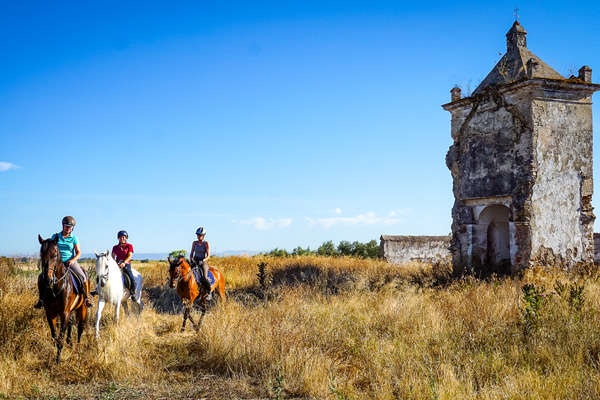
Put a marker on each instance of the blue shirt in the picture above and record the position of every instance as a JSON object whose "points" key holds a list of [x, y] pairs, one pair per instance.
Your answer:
{"points": [[66, 246]]}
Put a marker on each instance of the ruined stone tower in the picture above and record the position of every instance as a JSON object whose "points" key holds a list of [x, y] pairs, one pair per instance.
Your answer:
{"points": [[521, 165]]}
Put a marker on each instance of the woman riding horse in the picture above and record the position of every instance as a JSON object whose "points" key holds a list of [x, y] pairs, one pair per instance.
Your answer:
{"points": [[59, 296], [68, 246], [181, 273], [199, 255], [122, 254]]}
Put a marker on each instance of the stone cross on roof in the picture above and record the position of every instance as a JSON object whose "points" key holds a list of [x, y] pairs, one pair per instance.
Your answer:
{"points": [[518, 62]]}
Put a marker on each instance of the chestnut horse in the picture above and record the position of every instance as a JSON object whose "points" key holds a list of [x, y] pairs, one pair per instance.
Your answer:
{"points": [[189, 290], [58, 294]]}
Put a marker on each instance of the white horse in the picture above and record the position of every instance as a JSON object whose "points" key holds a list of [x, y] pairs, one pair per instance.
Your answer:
{"points": [[111, 288]]}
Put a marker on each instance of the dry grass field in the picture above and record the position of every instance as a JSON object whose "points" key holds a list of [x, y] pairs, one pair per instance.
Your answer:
{"points": [[323, 328]]}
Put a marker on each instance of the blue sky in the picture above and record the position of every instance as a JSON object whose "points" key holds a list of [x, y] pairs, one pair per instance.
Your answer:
{"points": [[271, 124]]}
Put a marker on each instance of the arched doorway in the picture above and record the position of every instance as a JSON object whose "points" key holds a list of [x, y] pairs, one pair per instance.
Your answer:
{"points": [[497, 253]]}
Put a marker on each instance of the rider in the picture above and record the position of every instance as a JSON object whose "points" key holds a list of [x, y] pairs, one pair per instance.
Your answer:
{"points": [[68, 246], [122, 253], [199, 254]]}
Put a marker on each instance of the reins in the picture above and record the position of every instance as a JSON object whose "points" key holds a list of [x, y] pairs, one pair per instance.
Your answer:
{"points": [[52, 286], [182, 278]]}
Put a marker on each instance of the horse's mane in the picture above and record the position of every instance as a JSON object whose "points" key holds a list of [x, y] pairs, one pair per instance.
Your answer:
{"points": [[46, 245], [114, 279]]}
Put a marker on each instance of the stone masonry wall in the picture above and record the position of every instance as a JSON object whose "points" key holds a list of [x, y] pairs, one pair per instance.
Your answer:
{"points": [[597, 248], [401, 249]]}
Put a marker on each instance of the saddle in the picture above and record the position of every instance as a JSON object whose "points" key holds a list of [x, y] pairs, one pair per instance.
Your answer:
{"points": [[126, 281], [198, 274], [77, 283]]}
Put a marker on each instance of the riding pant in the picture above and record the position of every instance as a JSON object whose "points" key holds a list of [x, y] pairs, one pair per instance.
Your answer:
{"points": [[127, 270], [202, 265], [76, 268]]}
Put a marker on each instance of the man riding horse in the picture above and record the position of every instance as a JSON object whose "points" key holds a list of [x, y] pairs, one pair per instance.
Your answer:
{"points": [[68, 246]]}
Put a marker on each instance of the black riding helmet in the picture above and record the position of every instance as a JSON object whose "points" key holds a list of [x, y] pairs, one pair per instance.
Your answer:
{"points": [[122, 233], [68, 221]]}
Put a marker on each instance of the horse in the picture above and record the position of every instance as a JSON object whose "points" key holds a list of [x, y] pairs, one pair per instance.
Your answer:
{"points": [[111, 288], [189, 290], [58, 294]]}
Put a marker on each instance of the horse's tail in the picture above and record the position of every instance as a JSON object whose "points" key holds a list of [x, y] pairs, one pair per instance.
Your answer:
{"points": [[220, 278]]}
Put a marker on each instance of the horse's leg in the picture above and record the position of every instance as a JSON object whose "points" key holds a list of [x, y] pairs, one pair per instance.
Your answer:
{"points": [[140, 304], [222, 287], [101, 304], [117, 310], [138, 294], [186, 312], [202, 308], [190, 317], [125, 307], [81, 315], [69, 325], [52, 324], [64, 320]]}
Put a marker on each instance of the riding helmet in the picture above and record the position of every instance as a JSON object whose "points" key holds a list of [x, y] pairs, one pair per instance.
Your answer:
{"points": [[200, 231], [122, 233], [68, 221]]}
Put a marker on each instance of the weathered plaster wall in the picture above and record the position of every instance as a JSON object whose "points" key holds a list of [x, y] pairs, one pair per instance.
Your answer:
{"points": [[561, 214], [400, 249], [491, 163]]}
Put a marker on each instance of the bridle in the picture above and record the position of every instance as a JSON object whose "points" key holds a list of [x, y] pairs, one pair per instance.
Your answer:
{"points": [[53, 281], [104, 276], [176, 274]]}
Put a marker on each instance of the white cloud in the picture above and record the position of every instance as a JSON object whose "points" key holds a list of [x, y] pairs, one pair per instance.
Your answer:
{"points": [[368, 218], [338, 211], [5, 166], [264, 224]]}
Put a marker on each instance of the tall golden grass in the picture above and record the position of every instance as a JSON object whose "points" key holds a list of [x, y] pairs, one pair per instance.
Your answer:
{"points": [[324, 328]]}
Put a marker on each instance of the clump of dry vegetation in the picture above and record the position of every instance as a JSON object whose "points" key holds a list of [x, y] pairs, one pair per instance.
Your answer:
{"points": [[320, 327]]}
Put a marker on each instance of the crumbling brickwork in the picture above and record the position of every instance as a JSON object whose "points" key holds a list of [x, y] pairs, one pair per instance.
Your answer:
{"points": [[521, 164]]}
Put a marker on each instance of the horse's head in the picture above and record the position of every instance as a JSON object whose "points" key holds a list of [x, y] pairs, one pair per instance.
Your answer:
{"points": [[50, 258], [177, 268], [102, 261]]}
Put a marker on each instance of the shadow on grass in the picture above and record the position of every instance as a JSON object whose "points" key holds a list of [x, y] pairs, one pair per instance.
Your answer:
{"points": [[272, 283]]}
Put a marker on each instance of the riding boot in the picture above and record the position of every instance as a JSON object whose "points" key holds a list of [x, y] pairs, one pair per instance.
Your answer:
{"points": [[39, 304], [127, 271], [132, 290], [205, 283]]}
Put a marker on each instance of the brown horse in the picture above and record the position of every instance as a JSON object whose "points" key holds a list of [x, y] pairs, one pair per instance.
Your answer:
{"points": [[189, 290], [57, 292]]}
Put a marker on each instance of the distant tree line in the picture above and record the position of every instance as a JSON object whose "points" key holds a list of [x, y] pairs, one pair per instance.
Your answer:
{"points": [[328, 248]]}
